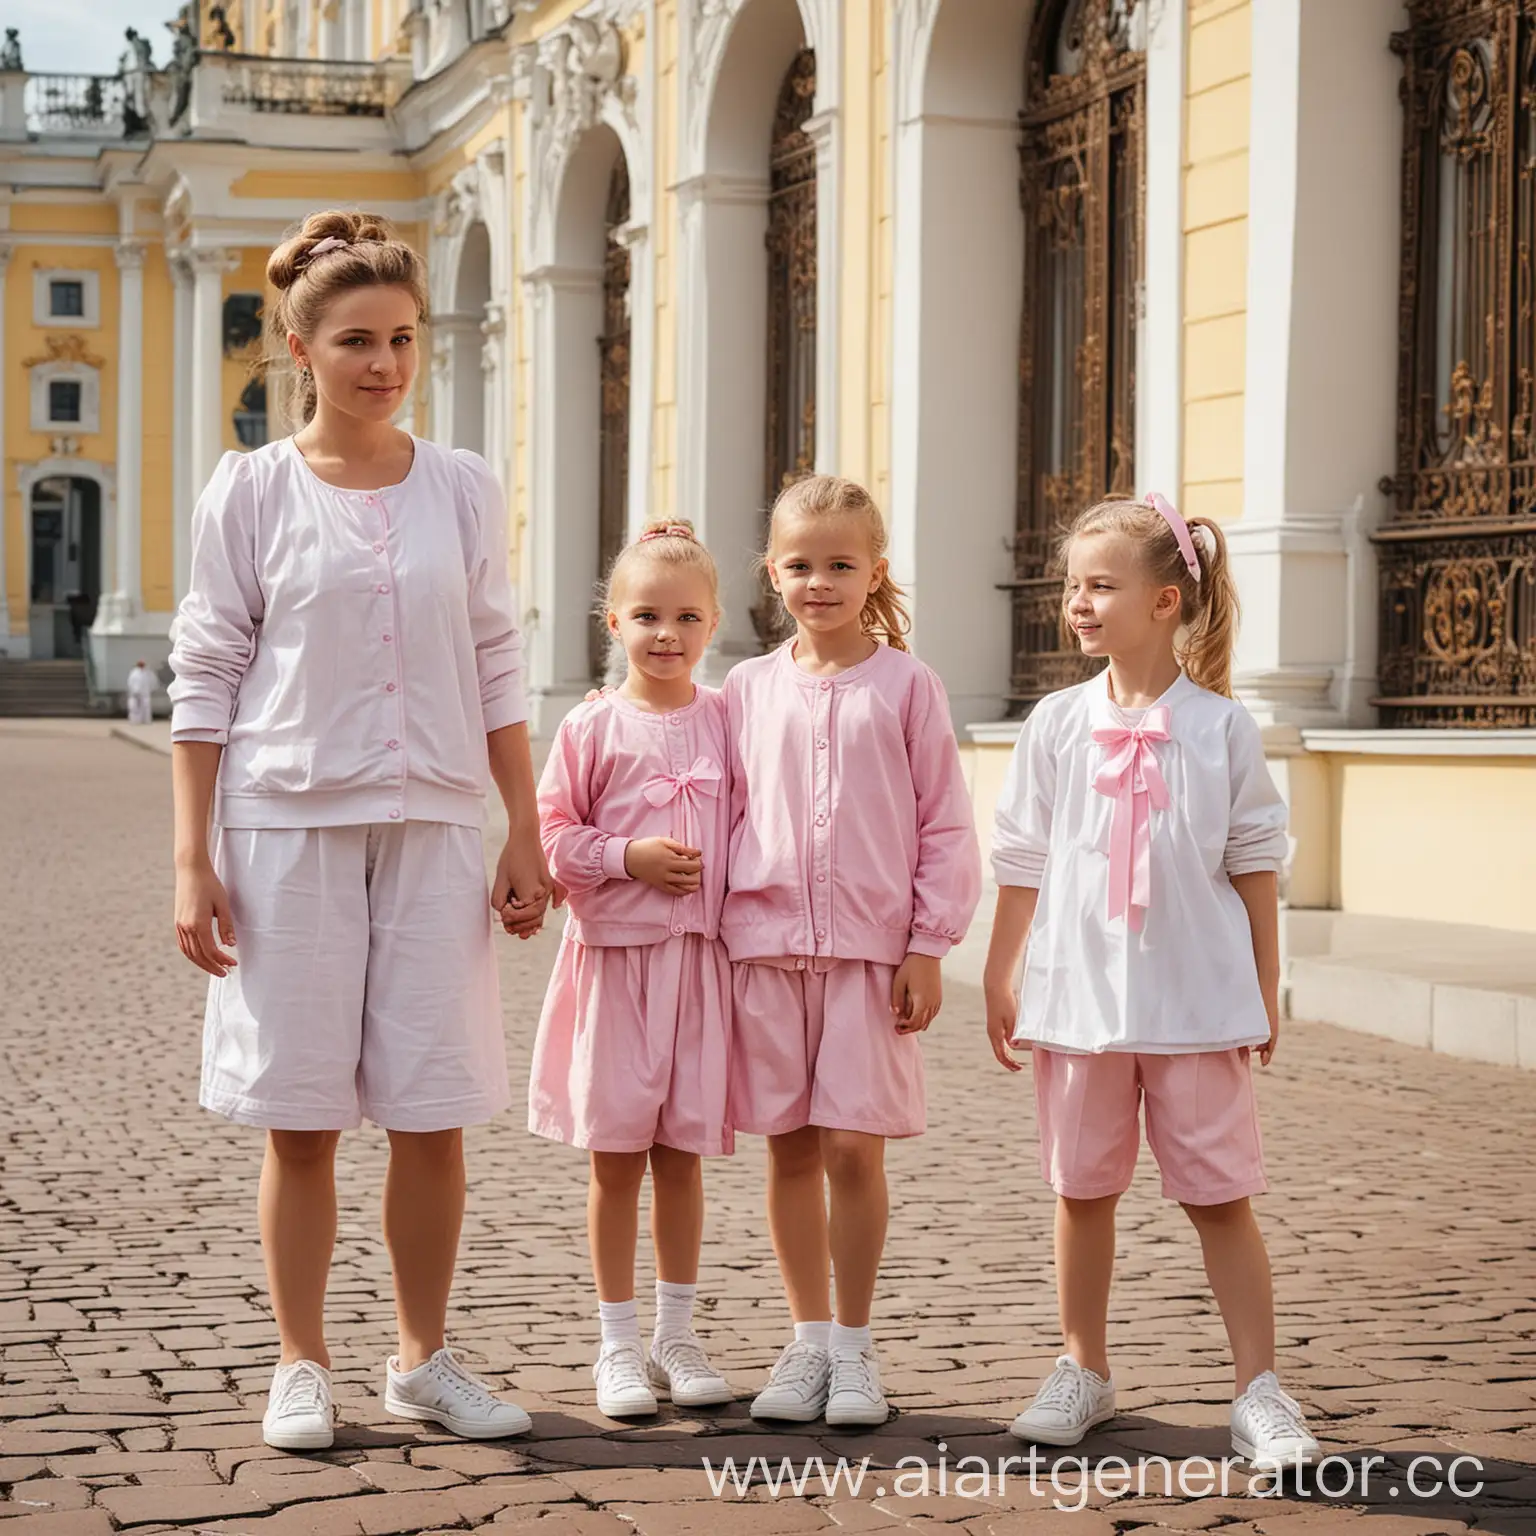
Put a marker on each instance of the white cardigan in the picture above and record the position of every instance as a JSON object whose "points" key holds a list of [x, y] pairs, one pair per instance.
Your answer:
{"points": [[350, 649]]}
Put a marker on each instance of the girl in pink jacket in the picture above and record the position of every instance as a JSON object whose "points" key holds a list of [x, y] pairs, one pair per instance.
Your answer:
{"points": [[630, 1060], [854, 867]]}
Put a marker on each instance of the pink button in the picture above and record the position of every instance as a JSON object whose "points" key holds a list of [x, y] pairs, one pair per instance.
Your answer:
{"points": [[394, 746], [821, 821], [799, 965], [394, 815], [821, 933], [378, 549], [677, 928], [825, 686], [383, 587], [388, 638], [389, 687], [821, 744], [821, 879]]}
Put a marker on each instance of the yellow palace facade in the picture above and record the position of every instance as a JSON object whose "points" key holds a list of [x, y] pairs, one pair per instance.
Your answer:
{"points": [[991, 257]]}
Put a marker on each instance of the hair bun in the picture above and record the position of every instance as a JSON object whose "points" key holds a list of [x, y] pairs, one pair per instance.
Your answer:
{"points": [[668, 528], [291, 259]]}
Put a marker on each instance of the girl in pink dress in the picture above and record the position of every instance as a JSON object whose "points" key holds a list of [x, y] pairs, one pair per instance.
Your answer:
{"points": [[631, 1057], [854, 867]]}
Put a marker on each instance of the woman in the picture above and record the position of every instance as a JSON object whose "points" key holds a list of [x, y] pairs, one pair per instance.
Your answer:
{"points": [[348, 683]]}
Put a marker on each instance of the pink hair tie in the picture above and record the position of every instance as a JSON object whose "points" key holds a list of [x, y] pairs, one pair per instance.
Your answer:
{"points": [[671, 531], [1165, 509], [325, 247]]}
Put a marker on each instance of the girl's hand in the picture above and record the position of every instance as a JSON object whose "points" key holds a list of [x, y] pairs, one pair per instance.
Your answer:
{"points": [[917, 993], [523, 886], [670, 866], [1002, 1019], [1272, 1008], [202, 902]]}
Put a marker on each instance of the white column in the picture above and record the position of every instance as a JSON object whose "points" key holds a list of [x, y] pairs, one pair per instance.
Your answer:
{"points": [[823, 131], [642, 374], [208, 269], [493, 366], [5, 610], [125, 601], [182, 493]]}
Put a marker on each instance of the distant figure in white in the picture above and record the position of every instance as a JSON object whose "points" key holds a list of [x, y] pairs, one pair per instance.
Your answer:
{"points": [[141, 695]]}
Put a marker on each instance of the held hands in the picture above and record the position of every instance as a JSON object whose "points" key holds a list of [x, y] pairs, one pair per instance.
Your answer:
{"points": [[523, 888], [670, 866], [202, 902], [1002, 1019], [917, 993]]}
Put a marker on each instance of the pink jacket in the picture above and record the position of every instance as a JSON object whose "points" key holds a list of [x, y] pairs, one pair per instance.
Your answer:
{"points": [[617, 772], [349, 649], [852, 835]]}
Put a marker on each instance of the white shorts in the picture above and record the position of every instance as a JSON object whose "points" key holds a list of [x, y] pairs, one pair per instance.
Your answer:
{"points": [[366, 985]]}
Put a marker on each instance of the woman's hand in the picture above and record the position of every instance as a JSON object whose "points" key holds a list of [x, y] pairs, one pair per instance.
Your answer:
{"points": [[1270, 986], [917, 993], [202, 902], [1002, 1019], [521, 892], [670, 866]]}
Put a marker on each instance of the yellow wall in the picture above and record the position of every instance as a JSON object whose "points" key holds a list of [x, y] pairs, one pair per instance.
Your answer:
{"points": [[1449, 841], [358, 187], [1216, 254], [156, 496]]}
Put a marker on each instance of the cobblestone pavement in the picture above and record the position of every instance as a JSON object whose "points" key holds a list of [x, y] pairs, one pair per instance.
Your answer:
{"points": [[136, 1346]]}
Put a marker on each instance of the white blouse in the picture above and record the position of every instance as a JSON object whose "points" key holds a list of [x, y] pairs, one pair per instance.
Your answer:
{"points": [[1138, 827], [349, 649]]}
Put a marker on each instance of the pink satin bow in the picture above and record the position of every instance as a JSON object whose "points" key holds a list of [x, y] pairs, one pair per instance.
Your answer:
{"points": [[704, 776], [1132, 778]]}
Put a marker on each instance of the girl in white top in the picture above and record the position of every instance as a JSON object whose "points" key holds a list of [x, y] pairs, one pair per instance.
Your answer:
{"points": [[1137, 850], [348, 684]]}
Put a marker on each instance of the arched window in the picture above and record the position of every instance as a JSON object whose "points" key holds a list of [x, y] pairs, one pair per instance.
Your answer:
{"points": [[1457, 556], [1082, 184], [613, 346], [791, 399]]}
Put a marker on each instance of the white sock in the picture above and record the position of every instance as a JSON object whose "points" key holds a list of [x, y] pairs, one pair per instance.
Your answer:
{"points": [[819, 1334], [620, 1320], [674, 1309], [852, 1339]]}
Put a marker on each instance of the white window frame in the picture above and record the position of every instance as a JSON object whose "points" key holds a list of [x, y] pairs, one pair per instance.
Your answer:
{"points": [[42, 298], [89, 380]]}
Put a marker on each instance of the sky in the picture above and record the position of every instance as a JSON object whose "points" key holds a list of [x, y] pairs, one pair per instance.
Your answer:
{"points": [[85, 37]]}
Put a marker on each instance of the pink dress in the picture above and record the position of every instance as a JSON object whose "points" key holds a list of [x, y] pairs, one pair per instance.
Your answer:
{"points": [[853, 845], [633, 1043]]}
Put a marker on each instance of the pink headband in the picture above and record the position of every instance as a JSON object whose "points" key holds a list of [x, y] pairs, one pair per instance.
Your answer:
{"points": [[671, 531], [1165, 509]]}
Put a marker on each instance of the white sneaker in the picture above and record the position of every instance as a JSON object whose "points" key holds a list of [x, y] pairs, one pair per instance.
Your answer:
{"points": [[623, 1386], [1268, 1430], [299, 1414], [679, 1367], [443, 1392], [1070, 1402], [854, 1395], [797, 1386]]}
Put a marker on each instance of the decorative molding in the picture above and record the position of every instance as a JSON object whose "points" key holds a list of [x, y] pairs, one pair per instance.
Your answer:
{"points": [[571, 80], [130, 255]]}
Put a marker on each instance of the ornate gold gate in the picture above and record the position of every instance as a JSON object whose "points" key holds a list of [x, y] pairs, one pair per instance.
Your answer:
{"points": [[1082, 184], [613, 352], [791, 399], [1457, 556]]}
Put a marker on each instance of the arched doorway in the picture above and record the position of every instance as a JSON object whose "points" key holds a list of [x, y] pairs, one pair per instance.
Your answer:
{"points": [[1081, 184], [65, 547], [471, 295], [613, 383]]}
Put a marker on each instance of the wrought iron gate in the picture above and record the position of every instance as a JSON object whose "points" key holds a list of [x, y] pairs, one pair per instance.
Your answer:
{"points": [[1082, 183], [1457, 556]]}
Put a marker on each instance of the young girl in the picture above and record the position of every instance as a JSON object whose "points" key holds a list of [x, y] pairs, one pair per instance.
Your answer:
{"points": [[630, 1061], [348, 685], [1137, 849], [854, 868]]}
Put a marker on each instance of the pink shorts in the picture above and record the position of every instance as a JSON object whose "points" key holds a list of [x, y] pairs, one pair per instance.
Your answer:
{"points": [[815, 1043], [1202, 1123], [633, 1046]]}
